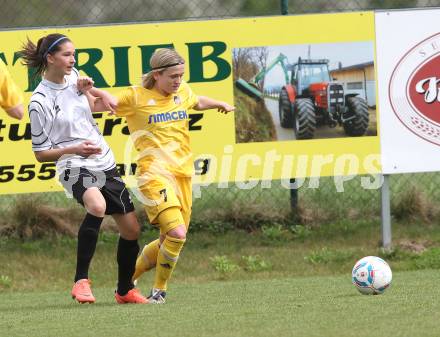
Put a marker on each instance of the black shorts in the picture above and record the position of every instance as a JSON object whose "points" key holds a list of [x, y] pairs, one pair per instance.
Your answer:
{"points": [[76, 181]]}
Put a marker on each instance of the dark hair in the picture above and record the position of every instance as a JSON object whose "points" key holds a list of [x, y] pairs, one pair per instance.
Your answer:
{"points": [[35, 56]]}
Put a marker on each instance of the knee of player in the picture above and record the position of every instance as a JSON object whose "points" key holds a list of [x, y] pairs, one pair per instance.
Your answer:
{"points": [[96, 208], [172, 224], [134, 231], [178, 232]]}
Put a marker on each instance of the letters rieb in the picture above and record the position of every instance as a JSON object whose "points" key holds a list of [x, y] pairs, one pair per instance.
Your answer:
{"points": [[121, 62]]}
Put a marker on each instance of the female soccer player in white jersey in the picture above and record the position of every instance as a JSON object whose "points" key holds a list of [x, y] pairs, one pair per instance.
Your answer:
{"points": [[63, 130], [157, 114]]}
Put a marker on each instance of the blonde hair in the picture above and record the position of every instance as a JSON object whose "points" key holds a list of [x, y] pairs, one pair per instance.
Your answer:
{"points": [[160, 60]]}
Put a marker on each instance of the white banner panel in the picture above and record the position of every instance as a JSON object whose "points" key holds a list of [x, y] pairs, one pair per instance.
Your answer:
{"points": [[408, 66]]}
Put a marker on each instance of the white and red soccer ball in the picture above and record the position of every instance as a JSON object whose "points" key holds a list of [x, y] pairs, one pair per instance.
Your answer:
{"points": [[371, 275]]}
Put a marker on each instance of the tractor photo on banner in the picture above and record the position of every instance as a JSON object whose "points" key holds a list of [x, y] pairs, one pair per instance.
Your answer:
{"points": [[309, 91]]}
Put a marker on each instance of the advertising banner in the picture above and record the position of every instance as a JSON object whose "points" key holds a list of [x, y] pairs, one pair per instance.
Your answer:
{"points": [[408, 58], [303, 88]]}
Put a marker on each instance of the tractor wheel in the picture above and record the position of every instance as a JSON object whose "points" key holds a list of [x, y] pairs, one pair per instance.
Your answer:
{"points": [[305, 118], [285, 110], [357, 116]]}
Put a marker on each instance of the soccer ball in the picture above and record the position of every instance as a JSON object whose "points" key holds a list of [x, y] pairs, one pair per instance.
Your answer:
{"points": [[371, 275]]}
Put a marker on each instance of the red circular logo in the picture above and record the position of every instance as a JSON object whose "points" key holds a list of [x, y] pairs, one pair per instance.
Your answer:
{"points": [[423, 89], [414, 89]]}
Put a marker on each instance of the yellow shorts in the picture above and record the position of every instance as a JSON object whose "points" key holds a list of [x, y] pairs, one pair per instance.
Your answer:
{"points": [[161, 193]]}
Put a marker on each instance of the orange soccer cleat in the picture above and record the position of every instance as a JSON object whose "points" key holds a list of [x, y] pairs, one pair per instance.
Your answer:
{"points": [[81, 291], [133, 296]]}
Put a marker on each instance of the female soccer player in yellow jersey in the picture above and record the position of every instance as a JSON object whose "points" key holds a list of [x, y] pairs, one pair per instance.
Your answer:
{"points": [[157, 117], [11, 98]]}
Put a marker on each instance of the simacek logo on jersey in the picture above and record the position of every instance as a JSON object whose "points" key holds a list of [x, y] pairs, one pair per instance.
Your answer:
{"points": [[167, 116], [414, 89]]}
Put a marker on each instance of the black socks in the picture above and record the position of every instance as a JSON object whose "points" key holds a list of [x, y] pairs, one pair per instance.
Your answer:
{"points": [[127, 253], [87, 238]]}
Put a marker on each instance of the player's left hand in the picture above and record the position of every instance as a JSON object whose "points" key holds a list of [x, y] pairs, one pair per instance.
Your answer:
{"points": [[84, 83], [225, 108]]}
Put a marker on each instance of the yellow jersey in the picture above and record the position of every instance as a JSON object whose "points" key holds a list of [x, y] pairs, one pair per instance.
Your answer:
{"points": [[10, 94], [159, 128]]}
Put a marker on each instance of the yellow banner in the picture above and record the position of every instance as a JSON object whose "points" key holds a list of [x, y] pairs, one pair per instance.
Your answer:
{"points": [[226, 147]]}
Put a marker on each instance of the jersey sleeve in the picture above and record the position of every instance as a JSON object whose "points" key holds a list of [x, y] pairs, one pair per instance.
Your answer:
{"points": [[127, 101], [193, 99], [10, 94], [40, 127]]}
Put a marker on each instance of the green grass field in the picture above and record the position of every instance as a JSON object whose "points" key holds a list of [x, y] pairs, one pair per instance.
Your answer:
{"points": [[303, 306], [273, 280], [268, 283]]}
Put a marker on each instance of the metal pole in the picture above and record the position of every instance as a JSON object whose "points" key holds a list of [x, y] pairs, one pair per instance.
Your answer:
{"points": [[386, 213], [293, 196], [294, 201], [284, 7]]}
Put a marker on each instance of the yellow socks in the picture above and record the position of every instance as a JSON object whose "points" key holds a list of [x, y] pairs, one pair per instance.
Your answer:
{"points": [[164, 257], [166, 261], [147, 259]]}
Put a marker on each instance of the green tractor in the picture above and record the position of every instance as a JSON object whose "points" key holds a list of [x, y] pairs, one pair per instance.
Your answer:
{"points": [[252, 88], [311, 99]]}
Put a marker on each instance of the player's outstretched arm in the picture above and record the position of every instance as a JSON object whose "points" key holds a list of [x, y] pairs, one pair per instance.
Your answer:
{"points": [[104, 101], [11, 97], [206, 103], [16, 112], [99, 100]]}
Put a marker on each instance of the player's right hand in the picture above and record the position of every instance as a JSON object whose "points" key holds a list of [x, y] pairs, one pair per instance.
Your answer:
{"points": [[84, 83], [87, 148]]}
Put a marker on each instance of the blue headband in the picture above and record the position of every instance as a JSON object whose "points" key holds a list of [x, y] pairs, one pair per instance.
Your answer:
{"points": [[53, 45]]}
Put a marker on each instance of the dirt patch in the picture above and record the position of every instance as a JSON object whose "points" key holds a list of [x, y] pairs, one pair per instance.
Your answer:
{"points": [[30, 219], [312, 216], [413, 204], [414, 246], [244, 216]]}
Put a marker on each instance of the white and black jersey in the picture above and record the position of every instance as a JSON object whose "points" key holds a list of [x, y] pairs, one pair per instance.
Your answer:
{"points": [[60, 116]]}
